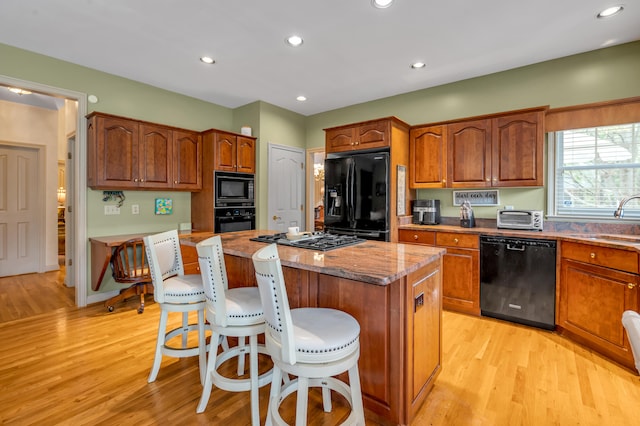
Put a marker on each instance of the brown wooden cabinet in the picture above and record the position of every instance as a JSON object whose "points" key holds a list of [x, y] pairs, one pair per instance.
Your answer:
{"points": [[129, 154], [460, 266], [389, 132], [234, 153], [428, 160], [597, 284], [400, 331], [491, 151], [365, 135], [190, 259]]}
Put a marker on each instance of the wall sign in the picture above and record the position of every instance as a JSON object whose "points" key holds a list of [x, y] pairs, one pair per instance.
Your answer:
{"points": [[489, 197], [401, 194]]}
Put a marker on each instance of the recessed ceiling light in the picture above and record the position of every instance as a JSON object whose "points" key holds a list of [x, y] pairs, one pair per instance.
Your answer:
{"points": [[207, 60], [610, 11], [418, 65], [294, 40], [301, 98], [381, 4], [19, 91]]}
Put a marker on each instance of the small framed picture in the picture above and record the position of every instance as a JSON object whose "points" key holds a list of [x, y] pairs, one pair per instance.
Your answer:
{"points": [[164, 206]]}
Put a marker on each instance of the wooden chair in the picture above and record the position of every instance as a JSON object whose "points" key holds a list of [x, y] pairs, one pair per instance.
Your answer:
{"points": [[312, 344], [130, 266]]}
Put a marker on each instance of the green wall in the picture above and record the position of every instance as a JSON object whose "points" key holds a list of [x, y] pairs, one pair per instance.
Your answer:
{"points": [[600, 75]]}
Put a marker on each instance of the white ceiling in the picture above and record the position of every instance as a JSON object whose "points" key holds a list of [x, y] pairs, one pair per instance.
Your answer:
{"points": [[352, 52]]}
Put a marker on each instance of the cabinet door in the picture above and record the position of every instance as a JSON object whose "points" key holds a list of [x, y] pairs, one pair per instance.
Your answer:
{"points": [[469, 154], [117, 153], [591, 302], [225, 152], [461, 286], [427, 308], [187, 160], [427, 147], [155, 157], [338, 140], [373, 135], [517, 146], [246, 155]]}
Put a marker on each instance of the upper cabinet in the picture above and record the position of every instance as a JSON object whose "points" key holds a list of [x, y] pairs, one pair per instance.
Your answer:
{"points": [[234, 153], [492, 151], [366, 135], [129, 154]]}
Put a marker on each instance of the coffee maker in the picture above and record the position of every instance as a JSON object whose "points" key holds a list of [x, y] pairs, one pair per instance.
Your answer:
{"points": [[426, 212]]}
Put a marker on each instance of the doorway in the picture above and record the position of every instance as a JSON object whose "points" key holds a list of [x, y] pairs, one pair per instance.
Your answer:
{"points": [[315, 189], [75, 190], [286, 188]]}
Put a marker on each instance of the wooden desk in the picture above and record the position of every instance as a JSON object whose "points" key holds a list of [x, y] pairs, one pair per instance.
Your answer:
{"points": [[101, 251]]}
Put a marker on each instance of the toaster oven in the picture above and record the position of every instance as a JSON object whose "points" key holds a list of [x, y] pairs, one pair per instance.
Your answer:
{"points": [[520, 219]]}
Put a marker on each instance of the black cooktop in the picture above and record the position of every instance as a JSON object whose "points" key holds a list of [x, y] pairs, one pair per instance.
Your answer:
{"points": [[315, 241]]}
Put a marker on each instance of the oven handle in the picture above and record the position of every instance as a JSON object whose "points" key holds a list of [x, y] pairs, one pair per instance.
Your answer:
{"points": [[234, 218]]}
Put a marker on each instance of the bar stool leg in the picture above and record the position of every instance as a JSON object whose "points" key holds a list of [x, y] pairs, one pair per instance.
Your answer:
{"points": [[157, 359], [302, 401]]}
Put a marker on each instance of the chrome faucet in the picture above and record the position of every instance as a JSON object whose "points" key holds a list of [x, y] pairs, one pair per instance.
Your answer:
{"points": [[620, 211]]}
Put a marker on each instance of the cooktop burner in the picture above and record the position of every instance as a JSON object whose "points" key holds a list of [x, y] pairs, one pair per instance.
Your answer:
{"points": [[314, 241]]}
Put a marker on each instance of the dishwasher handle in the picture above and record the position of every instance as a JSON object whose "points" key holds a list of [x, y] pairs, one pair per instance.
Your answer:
{"points": [[515, 248]]}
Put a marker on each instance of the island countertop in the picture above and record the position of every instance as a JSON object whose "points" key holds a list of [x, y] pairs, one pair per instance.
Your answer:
{"points": [[373, 262]]}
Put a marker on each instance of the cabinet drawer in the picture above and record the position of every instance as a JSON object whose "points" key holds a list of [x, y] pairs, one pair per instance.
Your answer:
{"points": [[416, 236], [621, 260], [190, 259], [452, 239]]}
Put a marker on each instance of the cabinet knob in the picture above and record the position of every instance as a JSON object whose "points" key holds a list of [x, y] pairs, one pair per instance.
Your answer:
{"points": [[135, 180], [488, 180], [631, 286], [593, 255], [415, 236], [455, 240], [175, 182]]}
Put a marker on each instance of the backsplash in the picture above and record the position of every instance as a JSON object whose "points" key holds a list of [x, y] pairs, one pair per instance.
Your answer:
{"points": [[552, 226]]}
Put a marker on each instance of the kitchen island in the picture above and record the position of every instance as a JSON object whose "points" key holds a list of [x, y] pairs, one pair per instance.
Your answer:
{"points": [[393, 290]]}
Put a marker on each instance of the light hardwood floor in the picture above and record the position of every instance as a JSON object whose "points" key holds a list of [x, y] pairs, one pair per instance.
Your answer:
{"points": [[62, 365]]}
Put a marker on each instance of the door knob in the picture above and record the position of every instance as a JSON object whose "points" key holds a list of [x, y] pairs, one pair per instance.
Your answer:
{"points": [[276, 217]]}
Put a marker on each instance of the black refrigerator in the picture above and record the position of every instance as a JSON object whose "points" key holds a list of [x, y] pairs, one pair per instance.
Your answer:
{"points": [[356, 197]]}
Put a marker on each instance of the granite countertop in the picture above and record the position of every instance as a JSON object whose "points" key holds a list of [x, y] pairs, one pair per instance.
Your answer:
{"points": [[606, 239], [373, 262]]}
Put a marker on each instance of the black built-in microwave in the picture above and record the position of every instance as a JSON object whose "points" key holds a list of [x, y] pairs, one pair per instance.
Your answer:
{"points": [[234, 189]]}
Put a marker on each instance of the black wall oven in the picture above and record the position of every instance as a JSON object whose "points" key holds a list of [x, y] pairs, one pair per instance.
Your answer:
{"points": [[229, 219], [234, 189]]}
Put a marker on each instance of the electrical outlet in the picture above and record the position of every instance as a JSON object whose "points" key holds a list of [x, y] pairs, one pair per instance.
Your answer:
{"points": [[135, 209], [111, 210]]}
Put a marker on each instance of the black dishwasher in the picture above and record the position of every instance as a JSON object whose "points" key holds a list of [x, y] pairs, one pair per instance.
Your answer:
{"points": [[518, 280]]}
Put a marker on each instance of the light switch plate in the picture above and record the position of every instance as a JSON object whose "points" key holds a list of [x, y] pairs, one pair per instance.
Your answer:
{"points": [[111, 210]]}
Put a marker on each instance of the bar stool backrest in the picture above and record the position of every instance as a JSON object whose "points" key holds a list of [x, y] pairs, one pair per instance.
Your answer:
{"points": [[165, 260], [214, 278], [273, 293]]}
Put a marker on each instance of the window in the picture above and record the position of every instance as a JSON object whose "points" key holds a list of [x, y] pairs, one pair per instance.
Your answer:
{"points": [[593, 169]]}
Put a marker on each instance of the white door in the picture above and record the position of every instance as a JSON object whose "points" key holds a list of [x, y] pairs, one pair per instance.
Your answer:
{"points": [[19, 214], [286, 188]]}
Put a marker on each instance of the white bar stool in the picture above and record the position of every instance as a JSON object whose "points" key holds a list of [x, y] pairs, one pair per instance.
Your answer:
{"points": [[235, 312], [175, 292], [312, 344]]}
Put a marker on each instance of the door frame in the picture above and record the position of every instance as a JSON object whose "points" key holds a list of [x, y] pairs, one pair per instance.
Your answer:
{"points": [[310, 201], [78, 199]]}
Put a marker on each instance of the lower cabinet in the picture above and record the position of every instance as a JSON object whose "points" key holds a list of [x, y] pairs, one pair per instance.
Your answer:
{"points": [[400, 329], [592, 297], [460, 266], [190, 259]]}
